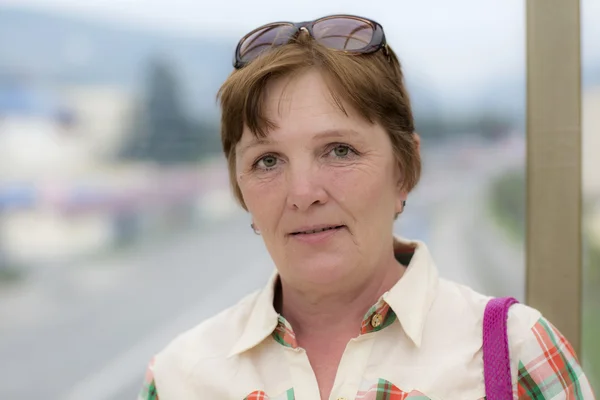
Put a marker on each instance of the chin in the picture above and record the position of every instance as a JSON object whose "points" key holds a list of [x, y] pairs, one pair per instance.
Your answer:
{"points": [[323, 270]]}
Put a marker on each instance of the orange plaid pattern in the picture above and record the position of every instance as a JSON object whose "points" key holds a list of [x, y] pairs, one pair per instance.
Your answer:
{"points": [[284, 334], [382, 310], [149, 391], [385, 390], [552, 369], [258, 395]]}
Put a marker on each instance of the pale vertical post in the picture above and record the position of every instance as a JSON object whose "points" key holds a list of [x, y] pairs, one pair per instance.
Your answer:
{"points": [[554, 183]]}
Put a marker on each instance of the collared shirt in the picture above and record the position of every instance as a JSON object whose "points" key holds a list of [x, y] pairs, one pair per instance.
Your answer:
{"points": [[421, 340]]}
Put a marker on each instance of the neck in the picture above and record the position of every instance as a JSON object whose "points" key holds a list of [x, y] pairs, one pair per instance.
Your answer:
{"points": [[335, 312]]}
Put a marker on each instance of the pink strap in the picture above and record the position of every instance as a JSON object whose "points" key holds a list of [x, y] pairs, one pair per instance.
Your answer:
{"points": [[496, 358]]}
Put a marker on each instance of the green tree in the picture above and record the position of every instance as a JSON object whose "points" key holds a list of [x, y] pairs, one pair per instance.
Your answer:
{"points": [[161, 130]]}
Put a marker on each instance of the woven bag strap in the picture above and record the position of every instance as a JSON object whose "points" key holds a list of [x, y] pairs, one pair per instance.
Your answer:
{"points": [[496, 358]]}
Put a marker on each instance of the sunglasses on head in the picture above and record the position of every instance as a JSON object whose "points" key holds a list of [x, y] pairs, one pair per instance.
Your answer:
{"points": [[348, 33]]}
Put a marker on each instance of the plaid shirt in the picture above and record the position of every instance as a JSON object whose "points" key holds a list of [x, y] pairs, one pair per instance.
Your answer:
{"points": [[421, 340]]}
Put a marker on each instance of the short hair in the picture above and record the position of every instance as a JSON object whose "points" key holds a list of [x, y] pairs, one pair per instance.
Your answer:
{"points": [[372, 84]]}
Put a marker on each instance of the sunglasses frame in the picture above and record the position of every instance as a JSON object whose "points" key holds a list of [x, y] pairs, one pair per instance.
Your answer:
{"points": [[378, 41]]}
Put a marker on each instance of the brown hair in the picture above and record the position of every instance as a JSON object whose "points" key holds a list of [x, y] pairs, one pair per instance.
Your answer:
{"points": [[372, 84]]}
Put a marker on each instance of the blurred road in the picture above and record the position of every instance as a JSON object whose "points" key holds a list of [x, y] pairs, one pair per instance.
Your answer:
{"points": [[87, 332]]}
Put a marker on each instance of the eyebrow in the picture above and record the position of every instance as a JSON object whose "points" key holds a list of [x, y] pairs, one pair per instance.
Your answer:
{"points": [[336, 133], [326, 134], [253, 143]]}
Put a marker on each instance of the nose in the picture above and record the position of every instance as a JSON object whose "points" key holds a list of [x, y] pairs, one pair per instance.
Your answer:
{"points": [[305, 187]]}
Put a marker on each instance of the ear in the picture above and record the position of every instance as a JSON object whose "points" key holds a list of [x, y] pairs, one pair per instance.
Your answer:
{"points": [[417, 140], [401, 196], [254, 228]]}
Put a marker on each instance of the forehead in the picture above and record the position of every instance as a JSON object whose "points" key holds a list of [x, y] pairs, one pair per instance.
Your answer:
{"points": [[306, 102], [301, 89]]}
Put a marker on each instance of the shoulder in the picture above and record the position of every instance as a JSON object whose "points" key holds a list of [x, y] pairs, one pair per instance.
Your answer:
{"points": [[453, 296], [467, 306], [544, 364], [173, 371], [211, 339], [522, 320]]}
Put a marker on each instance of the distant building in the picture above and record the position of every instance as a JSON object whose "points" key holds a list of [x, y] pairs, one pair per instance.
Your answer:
{"points": [[104, 114], [54, 144], [39, 135]]}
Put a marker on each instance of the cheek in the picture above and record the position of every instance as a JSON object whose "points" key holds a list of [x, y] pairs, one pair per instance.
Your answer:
{"points": [[262, 196], [358, 190]]}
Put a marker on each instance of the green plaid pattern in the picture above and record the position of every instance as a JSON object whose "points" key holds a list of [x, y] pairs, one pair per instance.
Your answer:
{"points": [[148, 391], [551, 369], [385, 390], [384, 310], [260, 395], [548, 367], [284, 334]]}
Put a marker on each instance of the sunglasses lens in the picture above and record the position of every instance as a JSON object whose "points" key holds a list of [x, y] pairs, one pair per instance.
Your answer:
{"points": [[343, 33], [265, 39]]}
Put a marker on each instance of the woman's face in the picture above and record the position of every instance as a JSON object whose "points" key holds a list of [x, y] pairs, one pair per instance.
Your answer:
{"points": [[320, 169]]}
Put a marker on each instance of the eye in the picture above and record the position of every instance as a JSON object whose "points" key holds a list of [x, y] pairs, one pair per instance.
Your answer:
{"points": [[342, 151], [266, 162]]}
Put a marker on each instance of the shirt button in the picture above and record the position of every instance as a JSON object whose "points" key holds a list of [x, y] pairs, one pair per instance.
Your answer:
{"points": [[376, 320]]}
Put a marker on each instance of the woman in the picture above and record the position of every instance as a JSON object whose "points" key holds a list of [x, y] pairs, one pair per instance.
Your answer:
{"points": [[319, 136]]}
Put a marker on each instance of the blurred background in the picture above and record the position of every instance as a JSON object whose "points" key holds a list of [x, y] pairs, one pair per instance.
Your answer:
{"points": [[117, 227]]}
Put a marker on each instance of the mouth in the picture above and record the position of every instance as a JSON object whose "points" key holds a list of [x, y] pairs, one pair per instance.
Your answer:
{"points": [[318, 230]]}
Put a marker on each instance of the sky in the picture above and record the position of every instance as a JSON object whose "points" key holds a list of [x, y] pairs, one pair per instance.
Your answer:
{"points": [[452, 43]]}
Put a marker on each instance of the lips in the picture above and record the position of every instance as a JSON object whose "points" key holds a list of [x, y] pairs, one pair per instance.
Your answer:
{"points": [[308, 231]]}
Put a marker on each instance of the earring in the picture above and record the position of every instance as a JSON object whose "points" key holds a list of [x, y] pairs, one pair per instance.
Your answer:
{"points": [[401, 211], [256, 231]]}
